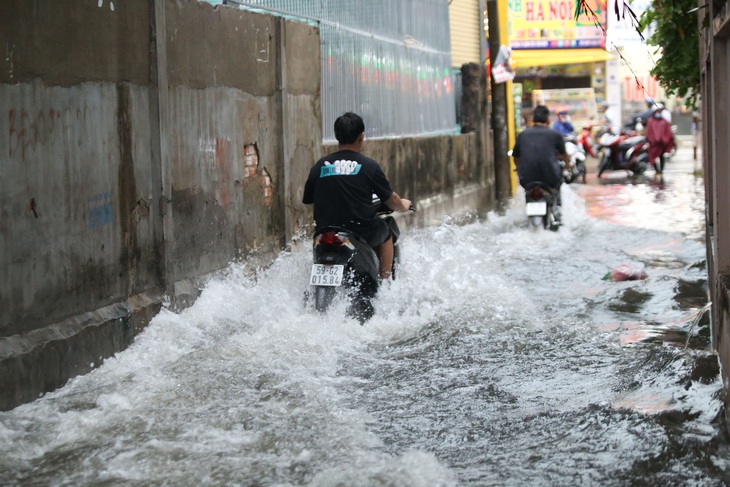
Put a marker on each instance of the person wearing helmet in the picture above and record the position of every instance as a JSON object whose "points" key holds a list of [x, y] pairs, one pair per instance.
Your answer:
{"points": [[562, 124], [660, 137]]}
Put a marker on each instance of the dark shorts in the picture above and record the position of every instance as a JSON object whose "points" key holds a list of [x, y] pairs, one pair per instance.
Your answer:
{"points": [[375, 232]]}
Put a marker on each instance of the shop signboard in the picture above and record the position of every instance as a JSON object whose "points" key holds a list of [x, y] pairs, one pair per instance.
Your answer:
{"points": [[551, 24]]}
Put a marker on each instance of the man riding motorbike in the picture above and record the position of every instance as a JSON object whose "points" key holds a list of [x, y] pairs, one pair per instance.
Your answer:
{"points": [[537, 152], [563, 124], [341, 187]]}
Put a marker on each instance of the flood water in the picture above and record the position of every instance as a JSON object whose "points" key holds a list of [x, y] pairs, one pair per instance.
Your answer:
{"points": [[500, 356]]}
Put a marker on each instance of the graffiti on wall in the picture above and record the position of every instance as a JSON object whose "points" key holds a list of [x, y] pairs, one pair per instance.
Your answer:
{"points": [[99, 209], [28, 130]]}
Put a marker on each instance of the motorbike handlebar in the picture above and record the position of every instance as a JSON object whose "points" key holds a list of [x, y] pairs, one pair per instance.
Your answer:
{"points": [[383, 209]]}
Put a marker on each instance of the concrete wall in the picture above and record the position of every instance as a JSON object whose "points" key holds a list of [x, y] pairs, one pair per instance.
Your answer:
{"points": [[78, 244], [147, 145], [232, 102], [139, 158], [75, 135], [714, 71]]}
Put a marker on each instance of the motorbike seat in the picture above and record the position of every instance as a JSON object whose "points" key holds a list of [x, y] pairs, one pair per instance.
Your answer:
{"points": [[627, 144]]}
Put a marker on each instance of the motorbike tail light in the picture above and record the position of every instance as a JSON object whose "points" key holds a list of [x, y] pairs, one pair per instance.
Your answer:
{"points": [[536, 193], [329, 238]]}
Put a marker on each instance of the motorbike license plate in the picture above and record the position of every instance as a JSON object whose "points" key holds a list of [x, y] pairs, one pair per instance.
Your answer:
{"points": [[326, 275], [536, 208]]}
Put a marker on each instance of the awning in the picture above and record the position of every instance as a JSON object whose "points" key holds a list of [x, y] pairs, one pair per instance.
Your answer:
{"points": [[525, 58]]}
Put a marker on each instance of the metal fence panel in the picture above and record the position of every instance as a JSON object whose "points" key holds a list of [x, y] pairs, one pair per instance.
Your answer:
{"points": [[388, 60]]}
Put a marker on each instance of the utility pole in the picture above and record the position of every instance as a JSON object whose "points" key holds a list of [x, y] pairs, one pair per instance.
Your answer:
{"points": [[501, 101]]}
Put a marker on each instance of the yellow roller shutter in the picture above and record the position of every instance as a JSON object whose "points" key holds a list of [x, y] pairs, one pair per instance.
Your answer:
{"points": [[465, 31]]}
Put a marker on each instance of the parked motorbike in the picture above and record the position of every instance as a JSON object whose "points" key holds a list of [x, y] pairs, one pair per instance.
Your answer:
{"points": [[345, 263], [541, 206], [577, 168], [623, 151]]}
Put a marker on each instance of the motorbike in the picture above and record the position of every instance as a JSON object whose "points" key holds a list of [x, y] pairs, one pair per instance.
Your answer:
{"points": [[640, 120], [344, 263], [541, 206], [624, 150], [577, 169]]}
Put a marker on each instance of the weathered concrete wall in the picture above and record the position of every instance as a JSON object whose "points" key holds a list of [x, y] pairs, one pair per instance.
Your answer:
{"points": [[75, 232], [78, 250], [714, 71], [232, 100], [137, 164]]}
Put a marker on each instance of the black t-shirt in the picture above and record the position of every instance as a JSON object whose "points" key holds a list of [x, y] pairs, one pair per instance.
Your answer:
{"points": [[538, 148], [341, 186]]}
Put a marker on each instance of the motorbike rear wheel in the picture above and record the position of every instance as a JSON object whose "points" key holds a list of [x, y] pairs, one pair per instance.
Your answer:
{"points": [[323, 296], [536, 222]]}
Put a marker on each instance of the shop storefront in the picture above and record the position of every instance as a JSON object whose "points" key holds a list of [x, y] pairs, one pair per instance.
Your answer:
{"points": [[557, 59]]}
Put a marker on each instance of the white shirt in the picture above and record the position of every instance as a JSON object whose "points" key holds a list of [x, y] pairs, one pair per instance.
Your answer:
{"points": [[611, 118]]}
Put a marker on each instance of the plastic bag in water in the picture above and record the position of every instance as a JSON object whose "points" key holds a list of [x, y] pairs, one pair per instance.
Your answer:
{"points": [[625, 272]]}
